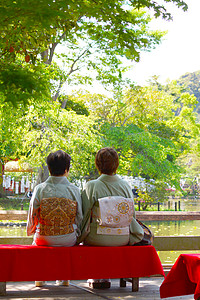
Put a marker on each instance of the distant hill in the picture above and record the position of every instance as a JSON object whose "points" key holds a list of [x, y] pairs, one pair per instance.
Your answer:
{"points": [[192, 83]]}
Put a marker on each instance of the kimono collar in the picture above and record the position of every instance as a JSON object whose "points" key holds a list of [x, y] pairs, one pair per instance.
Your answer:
{"points": [[57, 180], [109, 178]]}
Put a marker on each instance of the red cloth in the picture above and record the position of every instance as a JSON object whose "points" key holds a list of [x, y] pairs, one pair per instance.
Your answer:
{"points": [[184, 277], [29, 263]]}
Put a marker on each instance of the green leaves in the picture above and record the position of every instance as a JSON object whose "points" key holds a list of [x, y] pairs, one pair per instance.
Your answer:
{"points": [[141, 124], [46, 128], [117, 28], [149, 126], [20, 84], [141, 153]]}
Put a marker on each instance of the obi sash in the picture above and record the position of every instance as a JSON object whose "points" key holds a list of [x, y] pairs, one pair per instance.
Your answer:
{"points": [[114, 215], [57, 216]]}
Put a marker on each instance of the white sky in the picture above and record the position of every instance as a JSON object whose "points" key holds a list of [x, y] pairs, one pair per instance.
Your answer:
{"points": [[179, 53]]}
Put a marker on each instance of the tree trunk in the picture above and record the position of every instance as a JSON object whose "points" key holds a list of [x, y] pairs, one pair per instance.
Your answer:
{"points": [[43, 174], [2, 193]]}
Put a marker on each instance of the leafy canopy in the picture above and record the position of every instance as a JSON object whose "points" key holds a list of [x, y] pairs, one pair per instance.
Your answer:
{"points": [[29, 29], [38, 23], [149, 126]]}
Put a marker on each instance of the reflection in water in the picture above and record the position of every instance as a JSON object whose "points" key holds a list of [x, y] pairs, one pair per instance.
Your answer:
{"points": [[159, 228], [176, 228], [185, 204]]}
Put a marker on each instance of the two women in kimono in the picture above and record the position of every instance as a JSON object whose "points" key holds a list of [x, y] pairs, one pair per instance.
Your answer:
{"points": [[108, 186]]}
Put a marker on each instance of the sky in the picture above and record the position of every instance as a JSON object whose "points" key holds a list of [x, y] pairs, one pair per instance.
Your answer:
{"points": [[178, 53]]}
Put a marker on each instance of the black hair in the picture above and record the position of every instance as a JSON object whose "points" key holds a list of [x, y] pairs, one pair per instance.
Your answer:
{"points": [[58, 162]]}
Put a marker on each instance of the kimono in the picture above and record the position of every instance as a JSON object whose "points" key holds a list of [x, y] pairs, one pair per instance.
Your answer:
{"points": [[104, 186], [55, 213]]}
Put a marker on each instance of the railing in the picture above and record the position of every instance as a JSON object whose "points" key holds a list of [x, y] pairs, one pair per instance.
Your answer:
{"points": [[176, 243], [171, 243], [176, 205], [16, 240], [161, 243]]}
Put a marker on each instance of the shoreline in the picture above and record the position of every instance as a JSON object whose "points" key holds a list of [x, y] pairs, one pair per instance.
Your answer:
{"points": [[167, 215]]}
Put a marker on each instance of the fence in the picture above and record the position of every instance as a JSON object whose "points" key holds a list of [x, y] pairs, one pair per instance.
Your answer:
{"points": [[177, 205]]}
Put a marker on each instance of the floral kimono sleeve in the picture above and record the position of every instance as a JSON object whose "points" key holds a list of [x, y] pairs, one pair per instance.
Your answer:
{"points": [[33, 214]]}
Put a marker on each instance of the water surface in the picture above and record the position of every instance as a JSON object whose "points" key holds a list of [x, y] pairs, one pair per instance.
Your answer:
{"points": [[159, 228]]}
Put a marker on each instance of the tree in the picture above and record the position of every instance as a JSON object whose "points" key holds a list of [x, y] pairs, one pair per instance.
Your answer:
{"points": [[34, 30], [28, 30], [69, 131], [149, 127], [21, 24], [191, 82], [22, 83]]}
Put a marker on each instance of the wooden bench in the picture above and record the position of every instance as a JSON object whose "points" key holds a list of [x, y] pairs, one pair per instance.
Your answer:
{"points": [[30, 263]]}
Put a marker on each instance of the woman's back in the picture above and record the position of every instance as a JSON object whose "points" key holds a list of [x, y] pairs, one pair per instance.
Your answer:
{"points": [[105, 185]]}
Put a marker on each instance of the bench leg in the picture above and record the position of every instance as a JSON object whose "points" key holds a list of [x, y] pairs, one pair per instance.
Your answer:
{"points": [[2, 288], [134, 281], [122, 282], [135, 284]]}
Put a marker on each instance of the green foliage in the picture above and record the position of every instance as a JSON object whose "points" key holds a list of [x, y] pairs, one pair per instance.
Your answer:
{"points": [[73, 104], [49, 128], [10, 135], [20, 83], [159, 192], [14, 204], [145, 199], [191, 82], [150, 127], [142, 153], [34, 26], [118, 29], [154, 192]]}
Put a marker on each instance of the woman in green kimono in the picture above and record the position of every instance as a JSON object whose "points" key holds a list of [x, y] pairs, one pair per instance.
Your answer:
{"points": [[108, 184]]}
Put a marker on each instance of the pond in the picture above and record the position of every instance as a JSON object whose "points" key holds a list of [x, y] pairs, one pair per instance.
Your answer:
{"points": [[159, 228], [190, 204], [173, 228]]}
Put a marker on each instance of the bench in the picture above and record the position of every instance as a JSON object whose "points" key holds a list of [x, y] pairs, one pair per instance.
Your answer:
{"points": [[184, 277], [30, 263]]}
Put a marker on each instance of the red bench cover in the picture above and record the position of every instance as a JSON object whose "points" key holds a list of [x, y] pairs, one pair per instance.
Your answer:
{"points": [[184, 277], [29, 263]]}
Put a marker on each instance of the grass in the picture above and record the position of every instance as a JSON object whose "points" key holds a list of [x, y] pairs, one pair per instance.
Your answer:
{"points": [[14, 203]]}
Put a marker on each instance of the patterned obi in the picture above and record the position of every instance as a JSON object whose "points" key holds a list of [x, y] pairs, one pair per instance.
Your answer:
{"points": [[113, 215], [57, 216]]}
